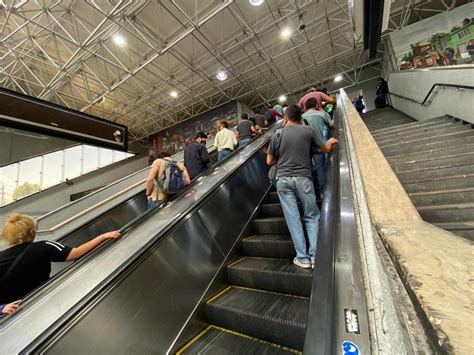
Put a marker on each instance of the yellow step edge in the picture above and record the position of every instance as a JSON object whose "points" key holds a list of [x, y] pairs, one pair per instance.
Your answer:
{"points": [[217, 295], [224, 330]]}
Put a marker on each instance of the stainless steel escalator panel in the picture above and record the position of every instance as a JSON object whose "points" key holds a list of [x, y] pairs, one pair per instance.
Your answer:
{"points": [[45, 312]]}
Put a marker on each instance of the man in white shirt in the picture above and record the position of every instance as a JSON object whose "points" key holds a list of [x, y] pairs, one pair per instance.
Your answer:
{"points": [[225, 141]]}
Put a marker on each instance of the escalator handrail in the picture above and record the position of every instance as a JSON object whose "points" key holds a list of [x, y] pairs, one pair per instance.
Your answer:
{"points": [[319, 338]]}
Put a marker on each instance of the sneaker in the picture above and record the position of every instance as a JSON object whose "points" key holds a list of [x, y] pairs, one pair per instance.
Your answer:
{"points": [[304, 263], [312, 263]]}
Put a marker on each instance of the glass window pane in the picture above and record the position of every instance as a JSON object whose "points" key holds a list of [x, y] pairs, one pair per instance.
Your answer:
{"points": [[53, 167], [29, 181], [105, 157], [73, 162], [8, 176], [91, 158]]}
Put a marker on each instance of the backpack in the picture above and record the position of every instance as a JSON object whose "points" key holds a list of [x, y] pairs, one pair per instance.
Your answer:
{"points": [[172, 179]]}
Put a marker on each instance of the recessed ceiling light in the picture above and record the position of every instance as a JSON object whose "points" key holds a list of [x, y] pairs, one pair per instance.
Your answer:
{"points": [[282, 98], [118, 39], [221, 74], [174, 93], [286, 32], [256, 2], [338, 78]]}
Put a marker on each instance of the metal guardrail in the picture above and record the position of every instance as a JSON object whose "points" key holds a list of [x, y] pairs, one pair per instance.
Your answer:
{"points": [[425, 101]]}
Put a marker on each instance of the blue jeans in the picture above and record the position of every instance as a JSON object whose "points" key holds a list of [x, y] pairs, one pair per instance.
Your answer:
{"points": [[290, 191], [224, 153], [319, 169], [244, 142]]}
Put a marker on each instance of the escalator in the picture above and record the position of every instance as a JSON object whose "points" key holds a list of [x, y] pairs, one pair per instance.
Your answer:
{"points": [[265, 307], [434, 161]]}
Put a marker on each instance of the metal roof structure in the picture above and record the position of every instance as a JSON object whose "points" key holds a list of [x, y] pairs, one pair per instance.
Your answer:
{"points": [[121, 59]]}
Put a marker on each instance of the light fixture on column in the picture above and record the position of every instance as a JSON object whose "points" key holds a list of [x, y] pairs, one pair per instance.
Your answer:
{"points": [[282, 98], [221, 74], [174, 94], [338, 78]]}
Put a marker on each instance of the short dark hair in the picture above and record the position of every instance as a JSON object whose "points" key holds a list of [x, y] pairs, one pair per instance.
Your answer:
{"points": [[284, 105], [200, 135], [244, 116], [225, 124], [293, 112], [324, 90], [311, 103], [162, 155]]}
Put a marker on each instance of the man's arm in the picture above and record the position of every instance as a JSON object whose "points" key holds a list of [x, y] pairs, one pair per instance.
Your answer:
{"points": [[252, 128], [187, 179], [87, 247], [234, 140], [326, 148], [155, 168], [271, 160], [329, 99], [204, 156]]}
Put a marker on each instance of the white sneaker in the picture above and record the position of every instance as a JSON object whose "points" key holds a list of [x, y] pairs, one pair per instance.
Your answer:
{"points": [[305, 264]]}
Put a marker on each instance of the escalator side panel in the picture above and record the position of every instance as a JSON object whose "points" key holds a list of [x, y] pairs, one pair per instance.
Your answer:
{"points": [[148, 308]]}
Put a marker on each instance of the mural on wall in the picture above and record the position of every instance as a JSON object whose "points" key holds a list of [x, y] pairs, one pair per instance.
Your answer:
{"points": [[174, 139], [444, 39]]}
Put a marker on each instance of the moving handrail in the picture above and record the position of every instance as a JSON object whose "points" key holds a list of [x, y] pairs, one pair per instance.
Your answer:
{"points": [[82, 285]]}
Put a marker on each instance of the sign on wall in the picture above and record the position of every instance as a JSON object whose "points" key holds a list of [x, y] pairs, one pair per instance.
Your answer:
{"points": [[441, 40], [174, 139]]}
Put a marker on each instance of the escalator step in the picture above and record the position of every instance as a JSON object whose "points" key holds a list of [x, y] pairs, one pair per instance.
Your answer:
{"points": [[272, 225], [272, 197], [216, 341], [277, 275], [270, 316], [275, 210], [269, 245]]}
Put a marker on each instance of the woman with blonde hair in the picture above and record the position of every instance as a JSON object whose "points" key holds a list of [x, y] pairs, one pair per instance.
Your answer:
{"points": [[26, 264]]}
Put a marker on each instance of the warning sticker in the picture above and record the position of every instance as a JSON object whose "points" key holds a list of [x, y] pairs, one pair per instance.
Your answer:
{"points": [[352, 321]]}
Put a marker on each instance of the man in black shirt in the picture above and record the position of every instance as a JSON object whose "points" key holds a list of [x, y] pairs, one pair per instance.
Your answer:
{"points": [[245, 130], [27, 264], [196, 156]]}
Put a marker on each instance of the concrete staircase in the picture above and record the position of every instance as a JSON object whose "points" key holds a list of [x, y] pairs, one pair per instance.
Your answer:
{"points": [[434, 160]]}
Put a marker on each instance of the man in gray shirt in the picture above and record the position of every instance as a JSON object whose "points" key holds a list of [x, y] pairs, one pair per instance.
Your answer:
{"points": [[292, 150], [245, 130]]}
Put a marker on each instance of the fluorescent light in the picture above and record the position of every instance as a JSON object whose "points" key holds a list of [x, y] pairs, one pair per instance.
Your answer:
{"points": [[118, 39], [282, 98], [256, 2], [174, 93], [221, 74], [338, 78], [286, 32]]}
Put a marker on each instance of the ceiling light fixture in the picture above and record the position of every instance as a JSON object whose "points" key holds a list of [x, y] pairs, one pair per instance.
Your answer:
{"points": [[282, 98], [256, 2], [118, 39], [338, 78], [174, 93], [221, 74], [286, 32]]}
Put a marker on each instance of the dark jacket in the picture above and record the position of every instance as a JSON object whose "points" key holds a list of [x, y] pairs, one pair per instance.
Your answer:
{"points": [[196, 159]]}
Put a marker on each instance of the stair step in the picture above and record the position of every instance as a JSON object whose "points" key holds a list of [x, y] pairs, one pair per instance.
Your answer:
{"points": [[440, 184], [270, 316], [388, 123], [423, 134], [435, 172], [442, 136], [463, 229], [404, 149], [216, 340], [276, 275], [460, 158], [270, 225], [411, 127], [384, 121], [453, 196], [448, 213], [269, 245]]}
